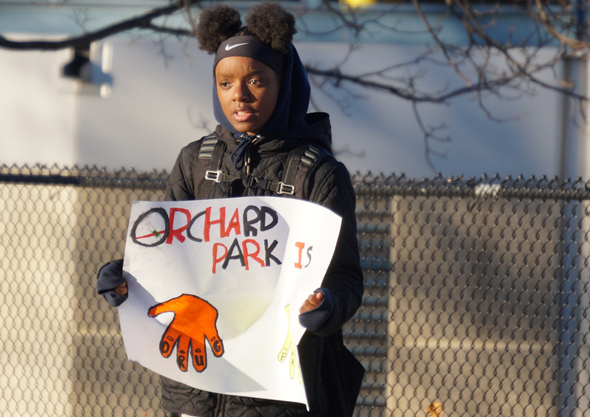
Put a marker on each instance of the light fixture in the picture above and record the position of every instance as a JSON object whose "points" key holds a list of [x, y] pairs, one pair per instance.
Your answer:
{"points": [[79, 67]]}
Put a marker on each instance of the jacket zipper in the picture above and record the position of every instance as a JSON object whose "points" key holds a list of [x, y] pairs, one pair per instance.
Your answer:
{"points": [[220, 405], [248, 171]]}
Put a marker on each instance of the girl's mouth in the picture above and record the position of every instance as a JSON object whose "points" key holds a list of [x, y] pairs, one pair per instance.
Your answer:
{"points": [[243, 115]]}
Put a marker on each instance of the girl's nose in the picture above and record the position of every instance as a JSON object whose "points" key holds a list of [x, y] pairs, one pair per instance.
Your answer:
{"points": [[241, 92]]}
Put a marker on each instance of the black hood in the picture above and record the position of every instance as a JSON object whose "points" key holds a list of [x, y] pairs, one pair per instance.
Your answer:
{"points": [[316, 129]]}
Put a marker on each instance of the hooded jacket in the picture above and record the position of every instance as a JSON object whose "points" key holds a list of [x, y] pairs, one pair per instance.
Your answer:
{"points": [[332, 376]]}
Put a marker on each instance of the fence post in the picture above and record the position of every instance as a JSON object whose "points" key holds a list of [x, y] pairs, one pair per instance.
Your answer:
{"points": [[393, 387], [573, 278], [574, 303]]}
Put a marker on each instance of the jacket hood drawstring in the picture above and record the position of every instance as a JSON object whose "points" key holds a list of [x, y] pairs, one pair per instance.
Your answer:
{"points": [[240, 154]]}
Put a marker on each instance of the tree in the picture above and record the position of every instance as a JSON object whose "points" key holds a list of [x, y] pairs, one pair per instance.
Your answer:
{"points": [[473, 60]]}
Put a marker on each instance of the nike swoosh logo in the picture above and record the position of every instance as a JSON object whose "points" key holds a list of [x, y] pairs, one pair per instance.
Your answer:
{"points": [[229, 47]]}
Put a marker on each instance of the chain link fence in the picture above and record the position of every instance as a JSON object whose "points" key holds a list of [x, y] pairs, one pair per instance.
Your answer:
{"points": [[476, 299]]}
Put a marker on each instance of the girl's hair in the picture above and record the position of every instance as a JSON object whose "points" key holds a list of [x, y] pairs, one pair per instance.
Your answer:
{"points": [[267, 21]]}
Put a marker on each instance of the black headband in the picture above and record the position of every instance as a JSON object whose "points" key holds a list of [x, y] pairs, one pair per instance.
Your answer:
{"points": [[251, 47]]}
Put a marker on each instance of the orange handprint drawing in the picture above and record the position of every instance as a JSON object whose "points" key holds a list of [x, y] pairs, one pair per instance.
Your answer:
{"points": [[194, 321]]}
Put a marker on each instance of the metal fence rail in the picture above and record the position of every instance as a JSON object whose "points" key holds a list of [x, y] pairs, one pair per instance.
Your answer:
{"points": [[476, 299]]}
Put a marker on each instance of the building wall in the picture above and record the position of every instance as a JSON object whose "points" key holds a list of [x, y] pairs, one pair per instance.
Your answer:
{"points": [[158, 100]]}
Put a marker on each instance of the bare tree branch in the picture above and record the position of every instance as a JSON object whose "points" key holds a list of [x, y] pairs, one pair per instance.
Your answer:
{"points": [[143, 21], [543, 18], [442, 46], [360, 80], [483, 67], [429, 134]]}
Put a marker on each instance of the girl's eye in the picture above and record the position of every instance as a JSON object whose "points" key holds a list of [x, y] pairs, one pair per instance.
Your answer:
{"points": [[255, 81]]}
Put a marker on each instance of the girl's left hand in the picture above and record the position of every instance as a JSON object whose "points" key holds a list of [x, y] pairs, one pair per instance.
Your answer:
{"points": [[312, 302]]}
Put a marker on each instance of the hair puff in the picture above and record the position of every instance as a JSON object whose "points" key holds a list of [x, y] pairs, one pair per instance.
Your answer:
{"points": [[272, 24], [216, 24]]}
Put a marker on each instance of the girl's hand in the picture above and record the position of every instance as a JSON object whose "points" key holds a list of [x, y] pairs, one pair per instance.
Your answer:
{"points": [[121, 289], [312, 302]]}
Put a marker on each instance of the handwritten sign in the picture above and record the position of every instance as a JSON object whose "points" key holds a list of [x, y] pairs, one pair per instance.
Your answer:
{"points": [[215, 288]]}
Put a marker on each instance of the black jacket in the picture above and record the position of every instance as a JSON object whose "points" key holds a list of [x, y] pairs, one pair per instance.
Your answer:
{"points": [[331, 374]]}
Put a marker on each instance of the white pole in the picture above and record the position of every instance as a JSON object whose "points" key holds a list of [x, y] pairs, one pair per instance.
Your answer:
{"points": [[573, 327]]}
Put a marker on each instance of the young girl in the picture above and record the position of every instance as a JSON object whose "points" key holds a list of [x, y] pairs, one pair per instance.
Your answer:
{"points": [[265, 138]]}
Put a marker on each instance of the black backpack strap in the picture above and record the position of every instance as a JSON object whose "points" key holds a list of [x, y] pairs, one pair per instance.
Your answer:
{"points": [[298, 174], [208, 165], [299, 163], [277, 187], [294, 162]]}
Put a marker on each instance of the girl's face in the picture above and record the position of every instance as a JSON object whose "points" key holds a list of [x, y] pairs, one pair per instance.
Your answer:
{"points": [[247, 91]]}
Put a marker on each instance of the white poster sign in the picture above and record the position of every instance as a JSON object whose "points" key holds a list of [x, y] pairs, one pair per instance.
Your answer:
{"points": [[215, 288]]}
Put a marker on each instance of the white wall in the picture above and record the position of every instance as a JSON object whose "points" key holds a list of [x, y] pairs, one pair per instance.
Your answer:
{"points": [[38, 115], [158, 104]]}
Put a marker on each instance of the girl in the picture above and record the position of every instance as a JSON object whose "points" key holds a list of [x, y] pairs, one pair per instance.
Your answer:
{"points": [[264, 140]]}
